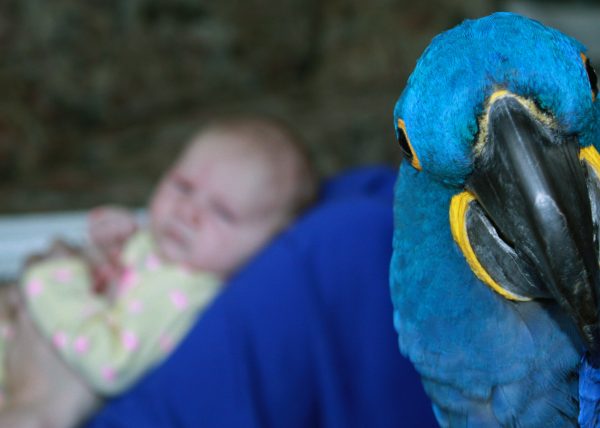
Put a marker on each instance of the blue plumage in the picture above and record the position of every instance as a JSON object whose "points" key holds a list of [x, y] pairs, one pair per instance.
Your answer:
{"points": [[589, 395], [484, 360]]}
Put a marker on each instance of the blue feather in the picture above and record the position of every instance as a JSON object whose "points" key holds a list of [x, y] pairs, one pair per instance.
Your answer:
{"points": [[589, 394]]}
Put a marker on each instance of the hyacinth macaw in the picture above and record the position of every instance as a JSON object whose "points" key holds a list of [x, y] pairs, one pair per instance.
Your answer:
{"points": [[494, 276]]}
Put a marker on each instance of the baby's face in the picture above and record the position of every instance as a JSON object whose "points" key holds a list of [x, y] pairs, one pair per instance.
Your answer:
{"points": [[216, 206]]}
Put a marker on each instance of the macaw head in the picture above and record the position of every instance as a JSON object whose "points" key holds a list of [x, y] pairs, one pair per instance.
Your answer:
{"points": [[503, 111]]}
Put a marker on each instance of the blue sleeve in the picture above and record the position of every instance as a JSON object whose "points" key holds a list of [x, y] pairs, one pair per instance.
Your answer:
{"points": [[303, 337]]}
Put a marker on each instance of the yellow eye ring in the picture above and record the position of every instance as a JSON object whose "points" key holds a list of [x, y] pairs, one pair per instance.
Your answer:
{"points": [[593, 78], [406, 146]]}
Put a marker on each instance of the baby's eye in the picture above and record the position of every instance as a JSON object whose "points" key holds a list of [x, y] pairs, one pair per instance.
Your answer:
{"points": [[223, 212], [181, 185]]}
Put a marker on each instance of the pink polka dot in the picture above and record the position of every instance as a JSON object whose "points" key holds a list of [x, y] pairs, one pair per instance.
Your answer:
{"points": [[165, 343], [152, 262], [135, 306], [60, 339], [128, 280], [179, 299], [63, 275], [81, 345], [108, 374], [130, 340], [34, 287]]}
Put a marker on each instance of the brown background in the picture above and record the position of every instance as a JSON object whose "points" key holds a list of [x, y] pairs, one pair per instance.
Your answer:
{"points": [[97, 97]]}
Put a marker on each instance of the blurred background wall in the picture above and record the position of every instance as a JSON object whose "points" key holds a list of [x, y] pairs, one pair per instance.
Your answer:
{"points": [[97, 97]]}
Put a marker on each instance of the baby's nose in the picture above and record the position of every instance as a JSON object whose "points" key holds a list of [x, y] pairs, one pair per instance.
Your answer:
{"points": [[195, 217], [189, 214]]}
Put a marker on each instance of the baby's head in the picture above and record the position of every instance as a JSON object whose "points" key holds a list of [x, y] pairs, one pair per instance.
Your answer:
{"points": [[238, 183]]}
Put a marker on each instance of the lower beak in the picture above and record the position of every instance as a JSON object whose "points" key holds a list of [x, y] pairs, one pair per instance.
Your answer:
{"points": [[533, 189]]}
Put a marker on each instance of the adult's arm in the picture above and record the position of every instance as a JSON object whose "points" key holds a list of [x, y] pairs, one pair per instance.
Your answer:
{"points": [[303, 337]]}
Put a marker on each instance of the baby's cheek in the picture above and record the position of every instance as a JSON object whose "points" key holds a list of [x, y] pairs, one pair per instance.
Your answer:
{"points": [[239, 250], [217, 253], [200, 248], [161, 201], [159, 210]]}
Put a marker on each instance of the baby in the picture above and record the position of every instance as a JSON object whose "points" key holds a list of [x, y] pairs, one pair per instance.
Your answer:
{"points": [[238, 183]]}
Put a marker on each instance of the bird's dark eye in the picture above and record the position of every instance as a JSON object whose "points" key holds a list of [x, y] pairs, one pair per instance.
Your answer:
{"points": [[407, 148], [591, 75]]}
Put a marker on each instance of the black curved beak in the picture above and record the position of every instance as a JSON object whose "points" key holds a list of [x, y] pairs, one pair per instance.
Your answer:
{"points": [[532, 186]]}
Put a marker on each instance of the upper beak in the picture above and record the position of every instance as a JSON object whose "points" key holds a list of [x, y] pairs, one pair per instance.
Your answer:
{"points": [[532, 187]]}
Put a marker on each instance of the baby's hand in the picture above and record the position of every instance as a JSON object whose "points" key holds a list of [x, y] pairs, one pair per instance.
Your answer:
{"points": [[109, 228]]}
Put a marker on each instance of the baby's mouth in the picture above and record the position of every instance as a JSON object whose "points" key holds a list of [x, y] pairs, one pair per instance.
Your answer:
{"points": [[172, 234], [173, 237]]}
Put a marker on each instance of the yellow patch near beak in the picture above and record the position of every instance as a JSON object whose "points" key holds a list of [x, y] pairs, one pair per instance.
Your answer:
{"points": [[497, 95], [591, 156], [459, 207]]}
